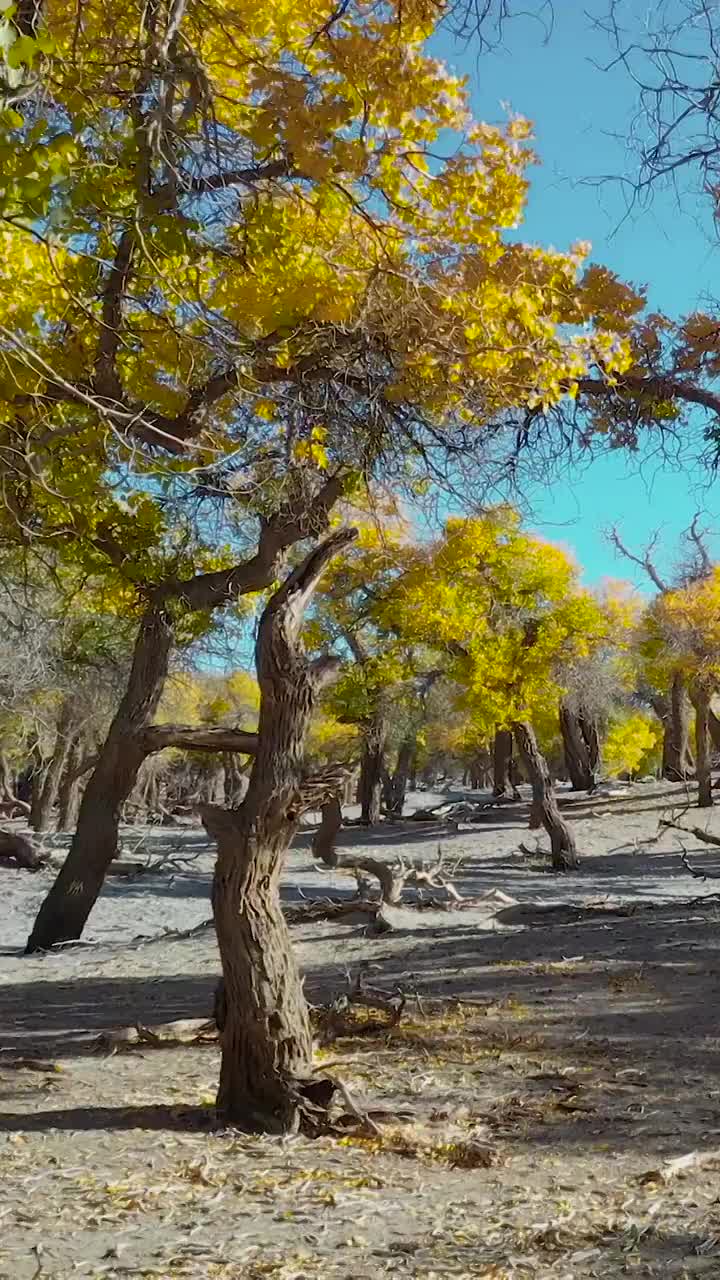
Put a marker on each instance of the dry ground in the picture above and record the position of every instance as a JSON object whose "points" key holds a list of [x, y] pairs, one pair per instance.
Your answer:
{"points": [[565, 1055]]}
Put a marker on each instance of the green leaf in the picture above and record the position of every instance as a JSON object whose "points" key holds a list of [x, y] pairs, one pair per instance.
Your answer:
{"points": [[22, 52]]}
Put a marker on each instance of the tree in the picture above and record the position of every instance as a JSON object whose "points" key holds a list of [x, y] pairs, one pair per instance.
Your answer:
{"points": [[663, 685], [632, 744], [382, 684], [685, 623], [266, 1070], [507, 611], [240, 278]]}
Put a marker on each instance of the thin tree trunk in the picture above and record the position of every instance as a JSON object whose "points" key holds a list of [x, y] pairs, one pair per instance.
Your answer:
{"points": [[7, 785], [399, 780], [41, 819], [323, 841], [575, 749], [266, 1069], [37, 780], [714, 727], [69, 791], [235, 780], [502, 763], [562, 842], [591, 733], [678, 763], [372, 769], [65, 910], [701, 702]]}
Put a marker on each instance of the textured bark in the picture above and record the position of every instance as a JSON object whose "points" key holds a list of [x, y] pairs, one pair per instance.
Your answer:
{"points": [[69, 791], [64, 912], [714, 727], [323, 841], [41, 817], [503, 782], [266, 1070], [372, 769], [562, 842], [7, 785], [399, 779], [581, 747], [38, 769], [10, 804], [678, 763], [701, 702], [235, 782]]}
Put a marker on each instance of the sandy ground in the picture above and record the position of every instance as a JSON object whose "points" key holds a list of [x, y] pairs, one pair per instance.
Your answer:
{"points": [[565, 1046]]}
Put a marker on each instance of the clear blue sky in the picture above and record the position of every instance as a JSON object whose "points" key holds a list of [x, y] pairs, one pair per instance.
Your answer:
{"points": [[578, 111]]}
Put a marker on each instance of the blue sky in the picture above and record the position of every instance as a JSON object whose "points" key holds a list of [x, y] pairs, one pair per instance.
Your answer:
{"points": [[578, 111]]}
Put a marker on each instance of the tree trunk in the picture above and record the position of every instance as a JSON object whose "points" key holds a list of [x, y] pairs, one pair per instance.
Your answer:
{"points": [[502, 763], [714, 727], [64, 912], [69, 790], [399, 780], [235, 780], [37, 782], [42, 816], [372, 769], [577, 750], [678, 763], [266, 1070], [562, 842], [7, 785], [701, 701], [323, 841]]}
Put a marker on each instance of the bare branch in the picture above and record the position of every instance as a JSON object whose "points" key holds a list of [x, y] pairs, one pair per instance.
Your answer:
{"points": [[697, 536], [645, 562]]}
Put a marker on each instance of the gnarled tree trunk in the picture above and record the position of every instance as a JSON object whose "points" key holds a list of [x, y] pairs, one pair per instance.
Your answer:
{"points": [[266, 1070], [678, 763], [72, 897], [700, 695], [235, 780], [581, 747], [372, 769], [69, 791], [502, 763], [562, 842], [42, 814]]}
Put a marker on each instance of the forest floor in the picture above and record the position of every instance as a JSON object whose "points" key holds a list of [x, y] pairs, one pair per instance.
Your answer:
{"points": [[552, 1085]]}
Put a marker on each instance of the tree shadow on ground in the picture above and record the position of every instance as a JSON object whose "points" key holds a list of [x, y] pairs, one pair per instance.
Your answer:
{"points": [[76, 1119]]}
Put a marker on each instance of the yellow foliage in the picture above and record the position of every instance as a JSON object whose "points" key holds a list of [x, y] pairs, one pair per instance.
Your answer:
{"points": [[632, 745]]}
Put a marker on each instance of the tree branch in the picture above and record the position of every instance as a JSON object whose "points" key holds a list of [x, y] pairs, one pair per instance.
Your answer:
{"points": [[241, 177], [656, 385], [106, 381], [195, 738], [645, 563], [289, 526], [696, 536]]}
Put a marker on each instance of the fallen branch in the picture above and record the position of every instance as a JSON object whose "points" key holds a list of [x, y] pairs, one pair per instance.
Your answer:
{"points": [[394, 877], [697, 875], [338, 1020], [705, 836], [20, 850], [162, 1036]]}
